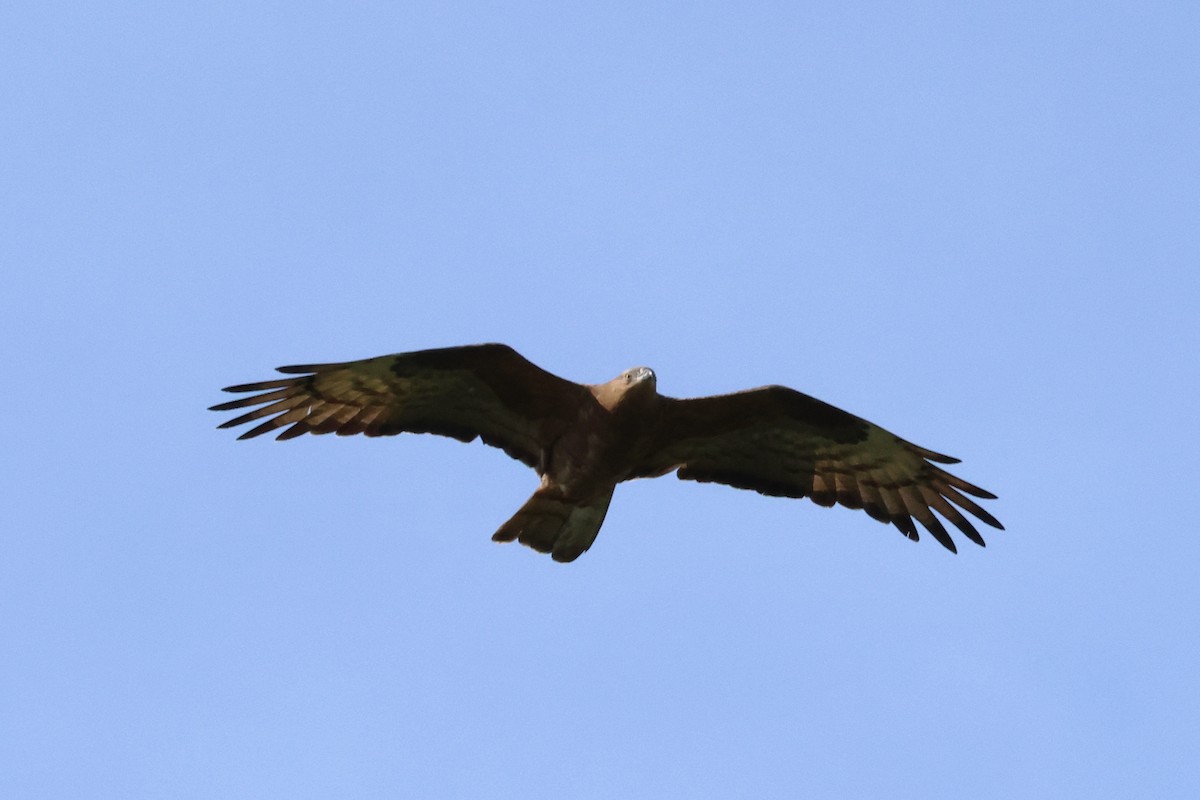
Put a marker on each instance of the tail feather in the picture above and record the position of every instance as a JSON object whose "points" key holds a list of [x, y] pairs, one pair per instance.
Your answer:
{"points": [[551, 524]]}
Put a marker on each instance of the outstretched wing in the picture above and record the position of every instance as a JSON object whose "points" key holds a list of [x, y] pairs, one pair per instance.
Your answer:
{"points": [[780, 442], [488, 391]]}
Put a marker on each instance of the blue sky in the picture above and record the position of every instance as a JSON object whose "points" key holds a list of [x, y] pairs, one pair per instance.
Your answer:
{"points": [[975, 226]]}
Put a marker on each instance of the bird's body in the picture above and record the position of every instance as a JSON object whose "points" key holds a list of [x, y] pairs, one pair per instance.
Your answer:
{"points": [[608, 438], [583, 439]]}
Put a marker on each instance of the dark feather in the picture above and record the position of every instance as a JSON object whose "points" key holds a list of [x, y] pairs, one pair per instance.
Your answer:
{"points": [[779, 442], [460, 392]]}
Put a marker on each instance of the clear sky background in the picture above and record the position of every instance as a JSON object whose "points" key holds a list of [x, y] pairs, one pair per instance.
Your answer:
{"points": [[976, 226]]}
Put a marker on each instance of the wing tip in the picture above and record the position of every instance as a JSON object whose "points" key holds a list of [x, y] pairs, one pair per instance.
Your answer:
{"points": [[932, 455], [986, 516], [304, 369]]}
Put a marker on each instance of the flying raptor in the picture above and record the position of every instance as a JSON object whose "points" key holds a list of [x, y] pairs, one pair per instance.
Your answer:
{"points": [[584, 439]]}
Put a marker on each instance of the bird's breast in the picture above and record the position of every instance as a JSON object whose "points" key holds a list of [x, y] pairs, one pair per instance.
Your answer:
{"points": [[592, 456]]}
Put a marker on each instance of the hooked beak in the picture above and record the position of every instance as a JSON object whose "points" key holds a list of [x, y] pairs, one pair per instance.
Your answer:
{"points": [[643, 374]]}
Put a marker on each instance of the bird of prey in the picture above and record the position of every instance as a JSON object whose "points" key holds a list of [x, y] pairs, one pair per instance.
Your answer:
{"points": [[584, 439]]}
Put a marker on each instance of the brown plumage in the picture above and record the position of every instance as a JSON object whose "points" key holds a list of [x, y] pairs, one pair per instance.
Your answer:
{"points": [[585, 439]]}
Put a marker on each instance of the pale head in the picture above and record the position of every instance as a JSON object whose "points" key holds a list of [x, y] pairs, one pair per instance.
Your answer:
{"points": [[635, 382], [637, 375]]}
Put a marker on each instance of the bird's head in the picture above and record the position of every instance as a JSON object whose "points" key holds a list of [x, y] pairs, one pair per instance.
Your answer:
{"points": [[638, 382], [638, 376]]}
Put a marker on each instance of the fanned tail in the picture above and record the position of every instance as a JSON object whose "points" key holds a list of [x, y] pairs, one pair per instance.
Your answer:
{"points": [[552, 524]]}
